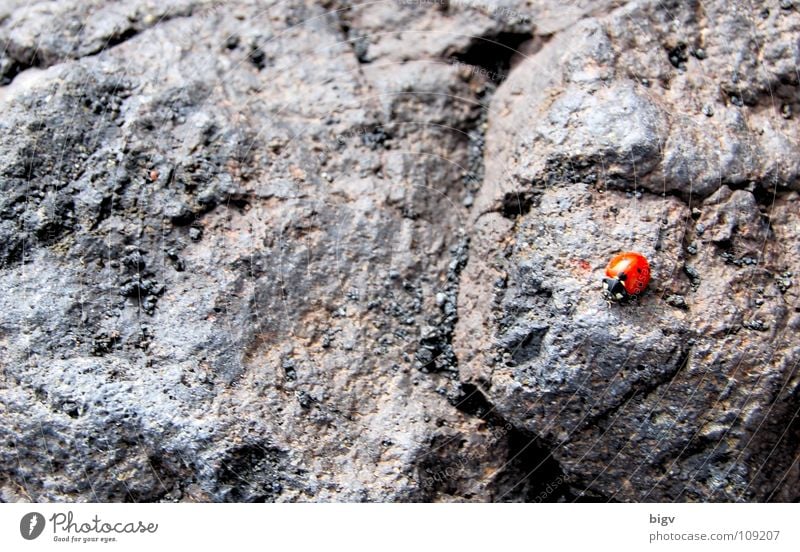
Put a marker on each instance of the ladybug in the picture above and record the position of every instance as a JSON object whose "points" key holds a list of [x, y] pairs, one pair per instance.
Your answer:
{"points": [[627, 274]]}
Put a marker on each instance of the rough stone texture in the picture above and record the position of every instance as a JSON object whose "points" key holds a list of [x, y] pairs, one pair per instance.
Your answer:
{"points": [[597, 144], [256, 251], [230, 262]]}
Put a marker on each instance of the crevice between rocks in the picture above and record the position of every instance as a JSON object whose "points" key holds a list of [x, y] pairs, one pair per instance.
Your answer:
{"points": [[15, 67], [34, 60], [530, 472], [435, 351], [494, 53]]}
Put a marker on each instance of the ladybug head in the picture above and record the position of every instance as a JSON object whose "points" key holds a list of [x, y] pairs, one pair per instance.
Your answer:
{"points": [[613, 289]]}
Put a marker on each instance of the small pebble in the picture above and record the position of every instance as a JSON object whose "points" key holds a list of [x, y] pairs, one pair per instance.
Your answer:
{"points": [[677, 301], [756, 324]]}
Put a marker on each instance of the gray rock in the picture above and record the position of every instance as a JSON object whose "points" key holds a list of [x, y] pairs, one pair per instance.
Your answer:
{"points": [[201, 209], [598, 144], [257, 255]]}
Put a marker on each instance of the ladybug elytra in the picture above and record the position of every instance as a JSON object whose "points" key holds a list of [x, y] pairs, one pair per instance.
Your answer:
{"points": [[627, 275]]}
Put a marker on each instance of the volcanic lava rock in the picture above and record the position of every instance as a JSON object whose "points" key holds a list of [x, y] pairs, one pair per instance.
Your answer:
{"points": [[597, 144], [304, 251], [221, 238]]}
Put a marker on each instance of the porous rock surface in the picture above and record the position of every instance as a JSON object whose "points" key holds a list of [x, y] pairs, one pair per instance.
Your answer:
{"points": [[302, 251], [668, 129]]}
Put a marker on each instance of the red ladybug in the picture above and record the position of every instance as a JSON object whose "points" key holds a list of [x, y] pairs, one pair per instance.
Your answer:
{"points": [[627, 274]]}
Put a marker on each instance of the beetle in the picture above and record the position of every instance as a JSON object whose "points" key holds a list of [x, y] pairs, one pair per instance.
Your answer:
{"points": [[627, 276]]}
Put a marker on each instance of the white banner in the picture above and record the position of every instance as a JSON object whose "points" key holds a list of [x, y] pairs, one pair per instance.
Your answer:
{"points": [[379, 527]]}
